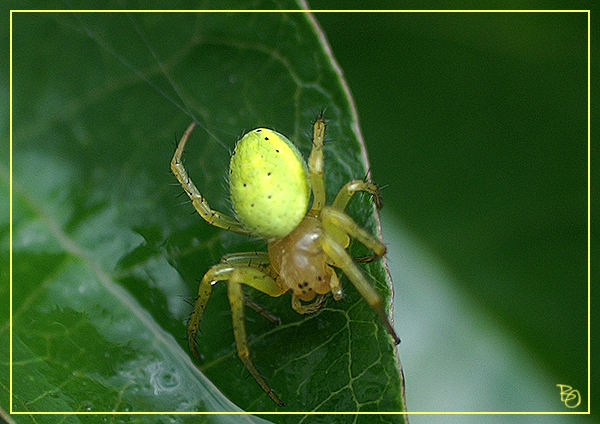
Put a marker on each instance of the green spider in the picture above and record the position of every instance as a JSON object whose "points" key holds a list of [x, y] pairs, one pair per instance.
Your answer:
{"points": [[270, 189]]}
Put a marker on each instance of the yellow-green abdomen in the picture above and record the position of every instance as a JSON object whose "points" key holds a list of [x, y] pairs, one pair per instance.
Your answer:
{"points": [[269, 184]]}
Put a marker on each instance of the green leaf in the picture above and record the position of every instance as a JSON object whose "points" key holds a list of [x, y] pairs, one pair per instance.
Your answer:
{"points": [[106, 256]]}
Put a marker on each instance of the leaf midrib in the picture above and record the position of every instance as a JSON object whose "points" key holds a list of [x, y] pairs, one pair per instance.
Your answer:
{"points": [[71, 246]]}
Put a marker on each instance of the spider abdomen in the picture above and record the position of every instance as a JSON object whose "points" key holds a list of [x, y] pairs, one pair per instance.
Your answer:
{"points": [[300, 261], [269, 184]]}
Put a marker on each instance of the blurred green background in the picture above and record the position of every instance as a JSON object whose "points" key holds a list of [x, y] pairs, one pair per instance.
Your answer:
{"points": [[477, 124]]}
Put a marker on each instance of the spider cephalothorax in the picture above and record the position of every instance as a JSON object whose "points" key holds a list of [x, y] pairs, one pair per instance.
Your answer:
{"points": [[270, 187]]}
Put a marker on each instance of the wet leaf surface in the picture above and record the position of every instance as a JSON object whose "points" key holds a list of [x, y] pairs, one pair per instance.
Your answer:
{"points": [[106, 255]]}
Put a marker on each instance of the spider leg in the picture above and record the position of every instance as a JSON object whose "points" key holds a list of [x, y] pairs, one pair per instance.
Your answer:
{"points": [[216, 273], [211, 216], [307, 308], [236, 300], [336, 221], [235, 274], [346, 264], [258, 259], [261, 310], [365, 259], [246, 258], [344, 196], [348, 190], [336, 287], [343, 260], [315, 164]]}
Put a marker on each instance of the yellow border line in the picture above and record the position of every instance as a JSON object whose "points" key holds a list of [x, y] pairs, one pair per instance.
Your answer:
{"points": [[589, 228], [10, 268], [306, 413], [588, 412], [302, 11]]}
